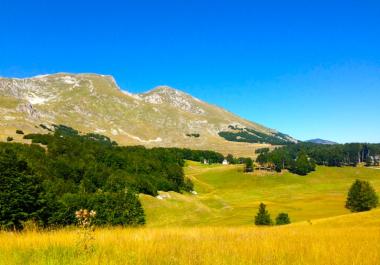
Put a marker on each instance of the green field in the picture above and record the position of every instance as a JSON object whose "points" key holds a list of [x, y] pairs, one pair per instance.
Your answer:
{"points": [[227, 196]]}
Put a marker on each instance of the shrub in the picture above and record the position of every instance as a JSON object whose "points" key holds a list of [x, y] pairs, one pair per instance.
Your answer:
{"points": [[263, 216], [248, 165], [19, 132], [9, 139], [361, 197], [196, 135], [282, 219]]}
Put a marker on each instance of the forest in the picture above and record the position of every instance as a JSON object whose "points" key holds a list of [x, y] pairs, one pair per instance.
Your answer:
{"points": [[301, 158], [64, 171]]}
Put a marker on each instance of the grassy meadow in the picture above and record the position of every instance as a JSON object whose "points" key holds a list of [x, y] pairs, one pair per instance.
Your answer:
{"points": [[216, 225], [227, 196]]}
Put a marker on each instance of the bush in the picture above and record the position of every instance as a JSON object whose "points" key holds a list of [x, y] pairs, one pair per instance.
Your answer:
{"points": [[282, 219], [19, 132], [361, 197], [263, 216], [248, 165], [9, 139]]}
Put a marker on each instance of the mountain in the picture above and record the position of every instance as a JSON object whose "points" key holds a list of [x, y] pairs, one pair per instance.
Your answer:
{"points": [[160, 117], [320, 141]]}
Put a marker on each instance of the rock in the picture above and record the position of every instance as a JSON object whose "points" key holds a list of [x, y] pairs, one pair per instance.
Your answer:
{"points": [[28, 108]]}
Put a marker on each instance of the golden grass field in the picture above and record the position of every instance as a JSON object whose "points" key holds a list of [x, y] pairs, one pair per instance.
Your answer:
{"points": [[350, 239], [216, 226]]}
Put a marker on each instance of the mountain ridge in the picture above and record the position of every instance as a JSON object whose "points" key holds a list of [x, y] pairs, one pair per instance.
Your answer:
{"points": [[162, 116], [320, 141]]}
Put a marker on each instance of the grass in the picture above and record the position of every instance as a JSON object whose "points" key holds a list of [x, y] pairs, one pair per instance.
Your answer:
{"points": [[351, 239], [227, 196], [215, 226]]}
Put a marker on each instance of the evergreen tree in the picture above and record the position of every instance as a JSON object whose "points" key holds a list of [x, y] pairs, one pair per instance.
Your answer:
{"points": [[361, 197], [282, 219], [263, 216]]}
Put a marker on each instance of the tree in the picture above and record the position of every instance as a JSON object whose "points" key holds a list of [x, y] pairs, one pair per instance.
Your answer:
{"points": [[282, 219], [248, 165], [302, 165], [262, 159], [263, 216], [230, 159], [361, 197], [19, 192]]}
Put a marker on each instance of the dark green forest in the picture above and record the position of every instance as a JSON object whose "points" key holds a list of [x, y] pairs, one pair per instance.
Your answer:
{"points": [[301, 158], [247, 135], [63, 171]]}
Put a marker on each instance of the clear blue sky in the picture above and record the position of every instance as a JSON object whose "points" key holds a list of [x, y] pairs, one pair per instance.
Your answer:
{"points": [[307, 68]]}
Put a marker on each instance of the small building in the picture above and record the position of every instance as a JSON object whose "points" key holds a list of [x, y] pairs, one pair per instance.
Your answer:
{"points": [[225, 162], [205, 161]]}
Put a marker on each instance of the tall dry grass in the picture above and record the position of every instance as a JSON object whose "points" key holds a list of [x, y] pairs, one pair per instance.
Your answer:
{"points": [[299, 244]]}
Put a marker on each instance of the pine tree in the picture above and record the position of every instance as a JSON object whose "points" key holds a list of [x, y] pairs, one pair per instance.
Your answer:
{"points": [[263, 216], [361, 197]]}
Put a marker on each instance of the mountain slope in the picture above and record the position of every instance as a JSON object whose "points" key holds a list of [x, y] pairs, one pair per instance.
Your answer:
{"points": [[94, 103]]}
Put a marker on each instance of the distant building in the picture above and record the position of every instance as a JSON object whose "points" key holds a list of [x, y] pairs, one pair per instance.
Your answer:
{"points": [[225, 162], [205, 161]]}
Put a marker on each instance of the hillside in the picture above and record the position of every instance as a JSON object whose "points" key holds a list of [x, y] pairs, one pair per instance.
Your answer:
{"points": [[94, 103], [227, 196]]}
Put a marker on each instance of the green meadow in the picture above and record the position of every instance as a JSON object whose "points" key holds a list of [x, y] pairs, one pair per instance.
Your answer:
{"points": [[228, 196]]}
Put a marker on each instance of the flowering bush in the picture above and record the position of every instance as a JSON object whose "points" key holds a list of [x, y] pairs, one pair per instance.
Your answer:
{"points": [[85, 217]]}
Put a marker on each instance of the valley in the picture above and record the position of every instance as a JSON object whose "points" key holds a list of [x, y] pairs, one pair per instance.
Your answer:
{"points": [[229, 197], [215, 226]]}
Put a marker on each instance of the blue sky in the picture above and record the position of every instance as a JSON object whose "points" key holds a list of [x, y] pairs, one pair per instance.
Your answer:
{"points": [[307, 68]]}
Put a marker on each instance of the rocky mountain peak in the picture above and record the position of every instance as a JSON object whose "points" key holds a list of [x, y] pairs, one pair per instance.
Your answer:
{"points": [[174, 97]]}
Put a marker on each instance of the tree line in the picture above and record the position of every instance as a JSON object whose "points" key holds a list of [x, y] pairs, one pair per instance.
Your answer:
{"points": [[301, 158]]}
